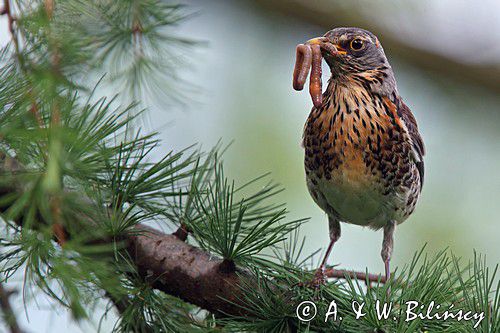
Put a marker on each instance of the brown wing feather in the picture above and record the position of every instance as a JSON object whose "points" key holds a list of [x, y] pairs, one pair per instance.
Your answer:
{"points": [[407, 117]]}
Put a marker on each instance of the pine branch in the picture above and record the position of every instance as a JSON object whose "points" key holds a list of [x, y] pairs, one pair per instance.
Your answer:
{"points": [[173, 266], [187, 272]]}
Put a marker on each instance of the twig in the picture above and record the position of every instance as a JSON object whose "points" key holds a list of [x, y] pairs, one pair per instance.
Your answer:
{"points": [[342, 273], [7, 10], [49, 8], [8, 313], [182, 232]]}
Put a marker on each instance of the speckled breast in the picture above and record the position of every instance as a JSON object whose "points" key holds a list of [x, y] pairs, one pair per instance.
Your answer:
{"points": [[358, 159]]}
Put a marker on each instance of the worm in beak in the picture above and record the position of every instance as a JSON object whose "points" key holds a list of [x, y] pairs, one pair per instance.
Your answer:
{"points": [[308, 58]]}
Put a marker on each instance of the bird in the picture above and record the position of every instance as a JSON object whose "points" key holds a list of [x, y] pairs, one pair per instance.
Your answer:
{"points": [[364, 155]]}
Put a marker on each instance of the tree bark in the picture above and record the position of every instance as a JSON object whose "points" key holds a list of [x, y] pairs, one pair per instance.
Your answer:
{"points": [[182, 270]]}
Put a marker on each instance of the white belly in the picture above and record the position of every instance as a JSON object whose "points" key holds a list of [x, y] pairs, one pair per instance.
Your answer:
{"points": [[358, 200]]}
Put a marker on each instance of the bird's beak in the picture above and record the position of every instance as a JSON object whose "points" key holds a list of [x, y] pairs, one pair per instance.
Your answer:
{"points": [[327, 45], [317, 41]]}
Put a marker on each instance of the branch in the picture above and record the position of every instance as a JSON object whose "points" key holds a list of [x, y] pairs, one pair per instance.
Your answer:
{"points": [[182, 270], [8, 314], [7, 10], [362, 276]]}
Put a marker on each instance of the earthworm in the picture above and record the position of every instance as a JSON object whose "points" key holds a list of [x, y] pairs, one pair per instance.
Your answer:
{"points": [[308, 58], [303, 60], [315, 88]]}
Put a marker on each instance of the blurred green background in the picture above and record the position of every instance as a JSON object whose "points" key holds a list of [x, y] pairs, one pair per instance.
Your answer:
{"points": [[446, 57]]}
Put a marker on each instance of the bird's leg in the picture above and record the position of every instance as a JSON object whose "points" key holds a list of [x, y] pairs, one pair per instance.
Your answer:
{"points": [[334, 227], [387, 246]]}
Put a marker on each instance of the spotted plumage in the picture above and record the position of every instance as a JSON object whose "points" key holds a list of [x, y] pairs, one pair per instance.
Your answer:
{"points": [[363, 152]]}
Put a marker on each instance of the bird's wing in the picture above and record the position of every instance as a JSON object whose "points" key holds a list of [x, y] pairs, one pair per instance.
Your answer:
{"points": [[407, 117]]}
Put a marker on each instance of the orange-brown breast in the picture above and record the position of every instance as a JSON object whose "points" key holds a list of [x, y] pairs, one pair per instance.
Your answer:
{"points": [[356, 153], [340, 134]]}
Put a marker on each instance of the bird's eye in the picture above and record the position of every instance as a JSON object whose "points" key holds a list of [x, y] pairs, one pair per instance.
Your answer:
{"points": [[357, 44]]}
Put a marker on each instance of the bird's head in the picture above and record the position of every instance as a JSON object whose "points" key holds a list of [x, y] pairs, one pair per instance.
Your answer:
{"points": [[357, 53]]}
